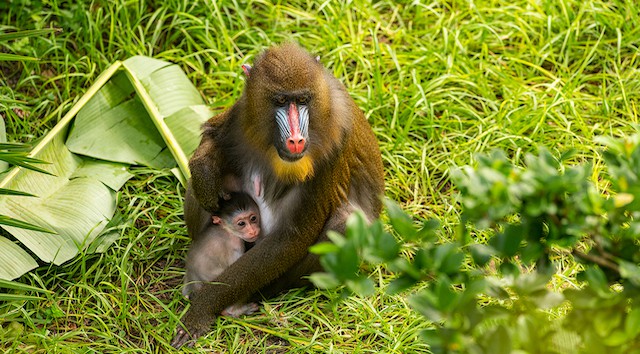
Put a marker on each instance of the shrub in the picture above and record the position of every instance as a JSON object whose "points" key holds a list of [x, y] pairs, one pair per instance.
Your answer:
{"points": [[495, 286]]}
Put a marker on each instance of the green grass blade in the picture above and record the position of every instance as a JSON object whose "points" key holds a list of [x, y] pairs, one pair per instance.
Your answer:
{"points": [[8, 284], [4, 146], [4, 37], [9, 221], [4, 191], [19, 159], [15, 57], [13, 146], [18, 297]]}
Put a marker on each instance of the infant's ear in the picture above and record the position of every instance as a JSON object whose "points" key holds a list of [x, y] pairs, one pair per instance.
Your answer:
{"points": [[216, 220]]}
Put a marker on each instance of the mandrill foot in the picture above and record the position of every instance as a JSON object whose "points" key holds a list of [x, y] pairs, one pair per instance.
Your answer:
{"points": [[183, 337]]}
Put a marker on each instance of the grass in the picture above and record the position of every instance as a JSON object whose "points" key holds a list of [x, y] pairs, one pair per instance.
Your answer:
{"points": [[439, 81]]}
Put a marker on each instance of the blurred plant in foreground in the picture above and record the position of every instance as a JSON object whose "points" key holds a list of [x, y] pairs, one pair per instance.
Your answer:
{"points": [[491, 290]]}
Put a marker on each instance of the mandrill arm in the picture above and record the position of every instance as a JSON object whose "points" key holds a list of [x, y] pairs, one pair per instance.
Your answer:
{"points": [[268, 260], [207, 165]]}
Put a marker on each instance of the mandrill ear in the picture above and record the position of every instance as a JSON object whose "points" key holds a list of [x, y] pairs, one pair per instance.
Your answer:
{"points": [[247, 69]]}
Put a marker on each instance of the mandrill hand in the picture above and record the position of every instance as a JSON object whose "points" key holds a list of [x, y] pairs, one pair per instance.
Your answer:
{"points": [[195, 328]]}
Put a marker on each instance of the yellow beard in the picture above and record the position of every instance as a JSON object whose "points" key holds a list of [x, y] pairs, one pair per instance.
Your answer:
{"points": [[297, 171]]}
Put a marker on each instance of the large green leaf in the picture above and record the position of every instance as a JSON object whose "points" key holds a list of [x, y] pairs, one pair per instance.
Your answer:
{"points": [[168, 96], [75, 202], [115, 126], [149, 114], [14, 261], [184, 127], [140, 111]]}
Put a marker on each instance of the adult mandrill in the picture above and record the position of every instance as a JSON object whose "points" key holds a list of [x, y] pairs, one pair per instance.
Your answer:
{"points": [[297, 131]]}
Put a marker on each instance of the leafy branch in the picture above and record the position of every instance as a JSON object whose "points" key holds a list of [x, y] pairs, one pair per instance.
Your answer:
{"points": [[490, 290]]}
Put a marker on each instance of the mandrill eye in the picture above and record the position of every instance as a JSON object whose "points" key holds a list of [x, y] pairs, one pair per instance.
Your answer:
{"points": [[303, 100], [280, 100]]}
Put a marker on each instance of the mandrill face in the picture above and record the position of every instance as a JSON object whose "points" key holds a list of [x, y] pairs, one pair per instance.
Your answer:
{"points": [[285, 113], [292, 119]]}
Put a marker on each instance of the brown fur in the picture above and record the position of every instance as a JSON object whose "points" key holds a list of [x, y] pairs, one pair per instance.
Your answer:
{"points": [[296, 212]]}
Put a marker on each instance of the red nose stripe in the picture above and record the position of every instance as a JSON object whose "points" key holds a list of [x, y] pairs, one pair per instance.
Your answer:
{"points": [[294, 119], [295, 143]]}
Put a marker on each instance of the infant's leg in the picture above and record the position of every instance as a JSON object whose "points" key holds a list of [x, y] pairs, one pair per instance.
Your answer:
{"points": [[237, 310]]}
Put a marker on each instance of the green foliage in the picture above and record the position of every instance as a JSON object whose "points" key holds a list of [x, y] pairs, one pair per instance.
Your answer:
{"points": [[493, 294]]}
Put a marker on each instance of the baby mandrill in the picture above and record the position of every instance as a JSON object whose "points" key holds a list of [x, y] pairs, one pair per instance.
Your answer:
{"points": [[236, 221]]}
